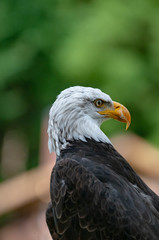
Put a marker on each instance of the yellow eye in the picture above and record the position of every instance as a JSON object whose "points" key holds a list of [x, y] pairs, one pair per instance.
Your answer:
{"points": [[98, 103]]}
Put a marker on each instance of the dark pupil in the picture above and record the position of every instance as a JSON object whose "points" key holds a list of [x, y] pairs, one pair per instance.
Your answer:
{"points": [[98, 103]]}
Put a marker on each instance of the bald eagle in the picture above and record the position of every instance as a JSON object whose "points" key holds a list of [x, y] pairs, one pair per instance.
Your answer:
{"points": [[95, 194]]}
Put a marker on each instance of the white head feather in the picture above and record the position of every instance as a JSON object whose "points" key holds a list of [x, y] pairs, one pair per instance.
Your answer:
{"points": [[73, 116]]}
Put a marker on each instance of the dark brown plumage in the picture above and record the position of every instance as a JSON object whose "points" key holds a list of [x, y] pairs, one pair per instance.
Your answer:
{"points": [[96, 195]]}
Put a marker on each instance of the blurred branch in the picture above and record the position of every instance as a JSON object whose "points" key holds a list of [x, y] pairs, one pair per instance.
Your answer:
{"points": [[28, 187], [141, 155]]}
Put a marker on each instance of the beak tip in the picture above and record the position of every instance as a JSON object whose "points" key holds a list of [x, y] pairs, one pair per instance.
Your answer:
{"points": [[127, 125]]}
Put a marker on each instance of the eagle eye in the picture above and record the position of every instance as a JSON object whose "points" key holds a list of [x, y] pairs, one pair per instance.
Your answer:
{"points": [[98, 103]]}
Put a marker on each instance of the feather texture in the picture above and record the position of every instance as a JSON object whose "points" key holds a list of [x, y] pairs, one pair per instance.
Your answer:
{"points": [[99, 194]]}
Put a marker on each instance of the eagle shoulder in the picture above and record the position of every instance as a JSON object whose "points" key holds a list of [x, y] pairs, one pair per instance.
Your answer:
{"points": [[102, 204]]}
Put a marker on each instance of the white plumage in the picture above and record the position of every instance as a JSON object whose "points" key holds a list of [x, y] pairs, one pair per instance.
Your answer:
{"points": [[73, 116]]}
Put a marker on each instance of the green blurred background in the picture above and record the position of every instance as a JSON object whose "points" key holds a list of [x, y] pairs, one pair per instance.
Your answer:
{"points": [[49, 45]]}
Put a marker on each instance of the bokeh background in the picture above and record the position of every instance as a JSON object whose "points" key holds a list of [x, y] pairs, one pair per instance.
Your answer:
{"points": [[49, 45]]}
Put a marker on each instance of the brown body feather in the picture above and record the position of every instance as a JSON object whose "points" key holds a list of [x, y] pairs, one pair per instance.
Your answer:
{"points": [[96, 195]]}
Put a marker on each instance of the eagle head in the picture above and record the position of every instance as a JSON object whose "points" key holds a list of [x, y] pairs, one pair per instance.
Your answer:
{"points": [[78, 113]]}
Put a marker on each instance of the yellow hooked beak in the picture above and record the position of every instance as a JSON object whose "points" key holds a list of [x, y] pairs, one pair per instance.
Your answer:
{"points": [[117, 112]]}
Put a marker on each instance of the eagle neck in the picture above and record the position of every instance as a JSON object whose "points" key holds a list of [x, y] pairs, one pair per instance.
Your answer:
{"points": [[79, 130]]}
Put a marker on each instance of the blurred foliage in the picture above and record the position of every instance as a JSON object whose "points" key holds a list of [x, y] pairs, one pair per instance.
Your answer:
{"points": [[48, 45]]}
